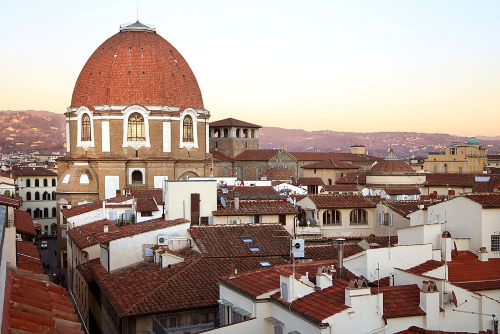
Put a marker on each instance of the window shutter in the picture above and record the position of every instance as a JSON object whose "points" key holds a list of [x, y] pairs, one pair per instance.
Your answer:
{"points": [[260, 219], [210, 220], [381, 218], [284, 291], [390, 219], [252, 220]]}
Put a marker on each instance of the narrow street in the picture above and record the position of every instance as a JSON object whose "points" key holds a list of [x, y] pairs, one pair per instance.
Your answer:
{"points": [[49, 258]]}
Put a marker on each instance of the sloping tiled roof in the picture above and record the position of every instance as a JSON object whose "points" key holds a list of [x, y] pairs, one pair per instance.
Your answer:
{"points": [[279, 174], [427, 266], [192, 284], [83, 236], [256, 207], [16, 203], [450, 179], [330, 164], [383, 241], [402, 191], [404, 208], [28, 258], [146, 204], [473, 274], [33, 171], [258, 155], [139, 228], [217, 156], [233, 122], [401, 301], [420, 330], [341, 201], [79, 209], [391, 166], [147, 194], [487, 186], [253, 192], [23, 222], [255, 283], [319, 156], [225, 240], [319, 305], [353, 178], [485, 200], [328, 252], [33, 304], [310, 181], [340, 187]]}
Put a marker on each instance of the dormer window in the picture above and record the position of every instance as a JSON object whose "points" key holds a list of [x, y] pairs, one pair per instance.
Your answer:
{"points": [[136, 130], [188, 136], [247, 239], [86, 130], [254, 248]]}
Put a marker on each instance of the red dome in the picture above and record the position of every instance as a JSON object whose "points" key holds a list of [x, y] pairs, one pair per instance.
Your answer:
{"points": [[137, 66]]}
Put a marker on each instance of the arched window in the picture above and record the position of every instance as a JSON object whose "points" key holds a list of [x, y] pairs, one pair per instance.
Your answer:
{"points": [[86, 135], [37, 183], [28, 196], [37, 213], [46, 212], [37, 196], [45, 183], [332, 217], [226, 133], [136, 128], [245, 133], [216, 133], [53, 182], [28, 183], [359, 216], [252, 133], [54, 212], [224, 172], [238, 133], [240, 173], [187, 129], [53, 195], [259, 173], [137, 177], [46, 196]]}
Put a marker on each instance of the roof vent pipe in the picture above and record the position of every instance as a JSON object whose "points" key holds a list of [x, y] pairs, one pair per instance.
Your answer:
{"points": [[340, 242], [236, 200]]}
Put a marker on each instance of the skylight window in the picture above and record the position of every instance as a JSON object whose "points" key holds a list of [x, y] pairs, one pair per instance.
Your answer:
{"points": [[254, 248], [247, 239], [264, 263]]}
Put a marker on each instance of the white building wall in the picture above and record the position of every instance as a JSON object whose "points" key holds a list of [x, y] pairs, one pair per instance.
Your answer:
{"points": [[121, 254], [386, 259], [178, 198], [421, 234]]}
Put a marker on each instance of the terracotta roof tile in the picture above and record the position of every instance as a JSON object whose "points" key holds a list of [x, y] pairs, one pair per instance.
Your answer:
{"points": [[401, 301], [473, 274], [425, 267], [138, 228], [34, 304], [419, 330], [279, 174], [257, 155], [485, 200], [230, 122], [141, 289], [341, 201], [16, 203], [23, 222], [272, 239], [147, 204], [450, 179], [357, 178], [402, 191], [340, 187], [28, 258], [310, 181], [404, 208], [253, 192], [33, 171], [83, 236], [330, 164], [217, 156], [155, 193], [319, 156], [256, 207], [391, 166]]}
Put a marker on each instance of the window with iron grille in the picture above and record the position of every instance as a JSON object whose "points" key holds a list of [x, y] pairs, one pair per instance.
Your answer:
{"points": [[495, 243]]}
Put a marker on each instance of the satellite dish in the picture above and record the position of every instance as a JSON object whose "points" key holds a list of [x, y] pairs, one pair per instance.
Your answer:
{"points": [[365, 192], [454, 298], [223, 202]]}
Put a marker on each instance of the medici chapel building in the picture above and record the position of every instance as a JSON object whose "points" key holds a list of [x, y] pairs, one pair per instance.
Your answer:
{"points": [[136, 118]]}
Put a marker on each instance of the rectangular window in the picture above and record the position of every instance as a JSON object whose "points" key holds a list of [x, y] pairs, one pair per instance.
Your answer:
{"points": [[495, 243], [282, 219], [284, 291], [146, 214]]}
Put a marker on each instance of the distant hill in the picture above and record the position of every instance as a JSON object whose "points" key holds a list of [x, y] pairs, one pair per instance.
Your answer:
{"points": [[405, 144], [32, 131], [44, 131]]}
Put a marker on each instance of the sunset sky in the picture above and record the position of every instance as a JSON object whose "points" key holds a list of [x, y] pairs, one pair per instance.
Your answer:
{"points": [[364, 66]]}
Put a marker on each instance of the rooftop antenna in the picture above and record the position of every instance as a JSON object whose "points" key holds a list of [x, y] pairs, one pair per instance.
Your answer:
{"points": [[137, 3]]}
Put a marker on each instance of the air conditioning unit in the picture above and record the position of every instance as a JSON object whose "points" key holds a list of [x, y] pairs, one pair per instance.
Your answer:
{"points": [[235, 221], [163, 240], [298, 248]]}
